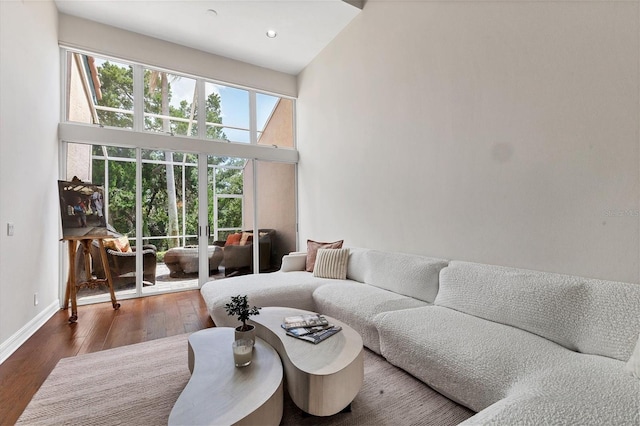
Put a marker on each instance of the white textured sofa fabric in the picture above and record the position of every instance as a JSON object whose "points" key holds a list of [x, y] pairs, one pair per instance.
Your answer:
{"points": [[337, 300], [352, 300], [411, 275], [582, 390], [523, 346], [585, 315], [518, 346], [486, 365], [461, 356], [392, 281], [288, 289]]}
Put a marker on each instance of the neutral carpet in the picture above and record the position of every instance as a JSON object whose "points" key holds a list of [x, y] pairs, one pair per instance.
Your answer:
{"points": [[138, 385]]}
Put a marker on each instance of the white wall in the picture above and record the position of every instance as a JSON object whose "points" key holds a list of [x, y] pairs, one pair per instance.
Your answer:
{"points": [[29, 107], [497, 132]]}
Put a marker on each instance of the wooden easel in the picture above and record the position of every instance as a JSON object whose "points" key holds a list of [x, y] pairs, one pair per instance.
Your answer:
{"points": [[73, 286]]}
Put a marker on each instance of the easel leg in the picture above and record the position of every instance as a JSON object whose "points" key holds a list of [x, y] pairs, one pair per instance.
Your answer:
{"points": [[107, 273], [72, 281], [86, 248], [67, 292]]}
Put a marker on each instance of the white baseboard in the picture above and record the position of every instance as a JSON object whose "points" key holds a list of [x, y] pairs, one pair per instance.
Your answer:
{"points": [[10, 345]]}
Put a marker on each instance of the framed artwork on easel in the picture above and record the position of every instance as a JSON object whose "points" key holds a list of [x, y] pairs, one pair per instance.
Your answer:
{"points": [[82, 209]]}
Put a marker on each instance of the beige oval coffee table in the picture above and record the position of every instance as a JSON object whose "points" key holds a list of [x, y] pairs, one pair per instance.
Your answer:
{"points": [[322, 379], [218, 393]]}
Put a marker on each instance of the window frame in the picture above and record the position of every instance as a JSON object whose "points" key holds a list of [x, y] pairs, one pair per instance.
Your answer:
{"points": [[139, 114], [139, 139]]}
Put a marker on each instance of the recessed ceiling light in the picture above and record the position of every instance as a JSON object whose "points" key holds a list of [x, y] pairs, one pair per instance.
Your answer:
{"points": [[272, 33], [212, 12]]}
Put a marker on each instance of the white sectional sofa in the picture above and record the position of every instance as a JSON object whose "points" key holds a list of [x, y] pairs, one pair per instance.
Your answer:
{"points": [[516, 346]]}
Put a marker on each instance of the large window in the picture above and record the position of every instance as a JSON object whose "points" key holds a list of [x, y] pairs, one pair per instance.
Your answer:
{"points": [[185, 162], [114, 93]]}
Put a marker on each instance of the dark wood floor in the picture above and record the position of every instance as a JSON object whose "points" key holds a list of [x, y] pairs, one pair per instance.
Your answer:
{"points": [[99, 327]]}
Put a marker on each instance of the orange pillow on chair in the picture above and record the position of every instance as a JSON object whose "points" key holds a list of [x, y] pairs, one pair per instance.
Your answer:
{"points": [[233, 239]]}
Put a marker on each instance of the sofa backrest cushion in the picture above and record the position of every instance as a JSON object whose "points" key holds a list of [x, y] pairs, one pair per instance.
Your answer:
{"points": [[357, 265], [585, 315], [407, 274]]}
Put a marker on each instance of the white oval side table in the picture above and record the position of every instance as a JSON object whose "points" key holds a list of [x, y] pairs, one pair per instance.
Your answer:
{"points": [[218, 393]]}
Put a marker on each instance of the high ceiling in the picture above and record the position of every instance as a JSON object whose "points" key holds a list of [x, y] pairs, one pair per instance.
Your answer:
{"points": [[232, 28]]}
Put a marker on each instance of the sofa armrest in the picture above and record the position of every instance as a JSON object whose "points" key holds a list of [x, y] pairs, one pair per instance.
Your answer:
{"points": [[294, 262]]}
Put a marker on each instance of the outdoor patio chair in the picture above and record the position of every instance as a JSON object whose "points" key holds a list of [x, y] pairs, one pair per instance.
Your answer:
{"points": [[239, 258], [122, 265]]}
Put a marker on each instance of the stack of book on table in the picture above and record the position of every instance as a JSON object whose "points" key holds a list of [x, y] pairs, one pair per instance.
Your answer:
{"points": [[313, 328]]}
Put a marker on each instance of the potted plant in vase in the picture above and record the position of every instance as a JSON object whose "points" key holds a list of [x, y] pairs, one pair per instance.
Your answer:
{"points": [[239, 307]]}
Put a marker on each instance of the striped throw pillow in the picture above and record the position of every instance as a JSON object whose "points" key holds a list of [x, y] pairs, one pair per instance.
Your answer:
{"points": [[331, 263]]}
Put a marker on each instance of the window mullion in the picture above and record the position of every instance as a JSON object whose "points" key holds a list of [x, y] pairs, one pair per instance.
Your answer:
{"points": [[202, 109], [138, 98], [253, 119], [139, 220], [215, 201]]}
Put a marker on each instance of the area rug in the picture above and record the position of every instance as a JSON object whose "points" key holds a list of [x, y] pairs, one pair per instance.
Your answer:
{"points": [[138, 385]]}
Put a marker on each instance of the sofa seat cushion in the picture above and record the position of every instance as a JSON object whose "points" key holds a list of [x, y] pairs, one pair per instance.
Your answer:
{"points": [[470, 360], [288, 289], [357, 304], [581, 389]]}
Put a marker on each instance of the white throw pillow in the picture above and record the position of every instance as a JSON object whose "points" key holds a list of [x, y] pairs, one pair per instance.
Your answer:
{"points": [[331, 263], [633, 365]]}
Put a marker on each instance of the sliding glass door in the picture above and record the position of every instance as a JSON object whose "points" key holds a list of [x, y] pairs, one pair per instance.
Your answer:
{"points": [[114, 169], [170, 218], [151, 200], [229, 204], [188, 218]]}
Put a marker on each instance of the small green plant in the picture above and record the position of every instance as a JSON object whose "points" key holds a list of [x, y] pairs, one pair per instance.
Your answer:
{"points": [[239, 306]]}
